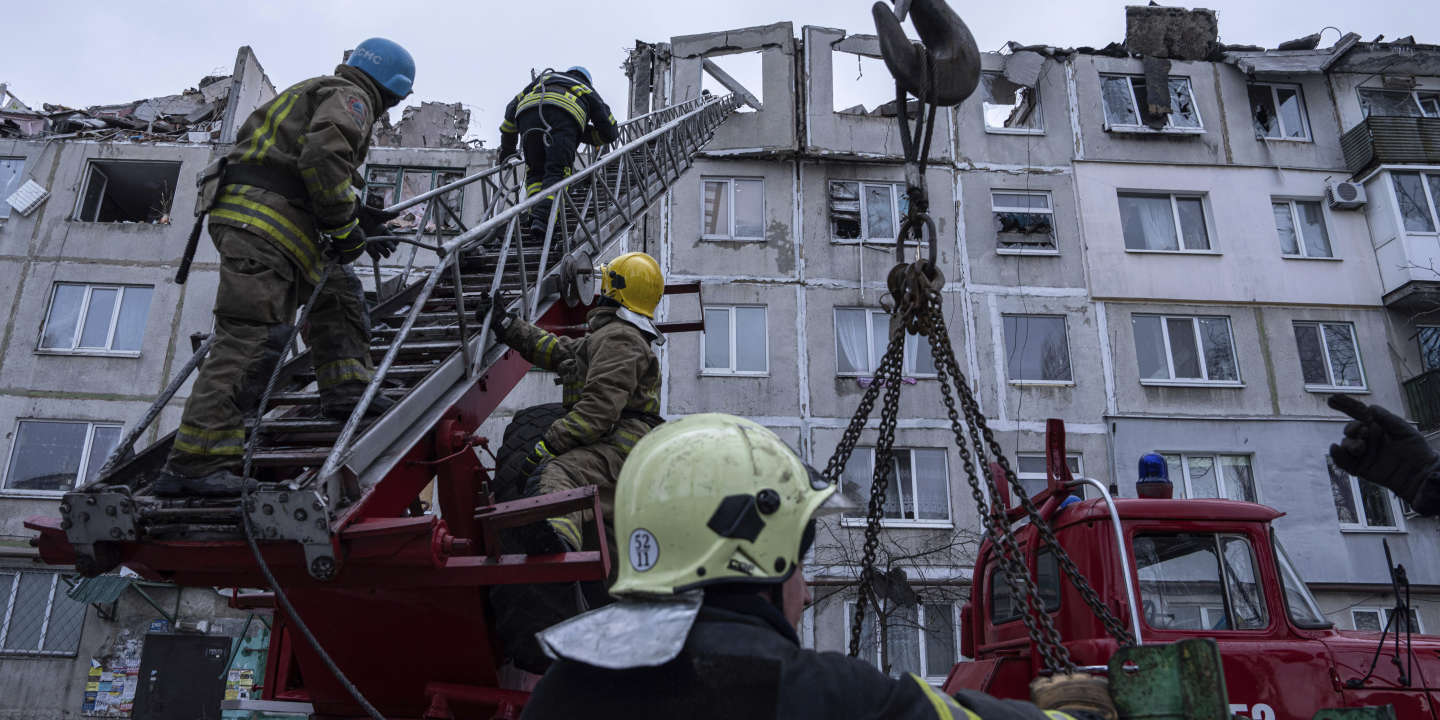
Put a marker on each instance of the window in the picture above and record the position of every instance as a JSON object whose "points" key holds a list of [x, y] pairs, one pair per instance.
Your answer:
{"points": [[36, 615], [1010, 108], [866, 211], [127, 191], [1301, 226], [1303, 609], [1429, 338], [1125, 102], [1278, 112], [1030, 471], [861, 337], [96, 318], [922, 639], [389, 185], [1361, 504], [52, 454], [1418, 208], [1329, 358], [1376, 619], [1181, 587], [12, 176], [919, 487], [1185, 348], [1228, 477], [735, 341], [1036, 349], [734, 209], [1163, 222], [1005, 607], [1401, 103], [1024, 221]]}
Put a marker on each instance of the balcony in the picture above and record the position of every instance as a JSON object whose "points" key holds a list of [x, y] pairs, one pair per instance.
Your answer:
{"points": [[1378, 140], [1422, 398]]}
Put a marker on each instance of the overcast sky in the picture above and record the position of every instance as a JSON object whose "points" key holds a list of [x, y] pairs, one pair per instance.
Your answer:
{"points": [[479, 53]]}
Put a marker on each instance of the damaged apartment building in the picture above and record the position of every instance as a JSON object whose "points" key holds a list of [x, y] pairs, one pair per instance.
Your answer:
{"points": [[1174, 245], [95, 208]]}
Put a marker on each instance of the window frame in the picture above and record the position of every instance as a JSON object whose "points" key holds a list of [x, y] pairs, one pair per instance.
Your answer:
{"points": [[1432, 203], [912, 345], [920, 632], [1065, 329], [1274, 88], [1179, 226], [1397, 510], [1363, 387], [1226, 590], [916, 522], [897, 191], [1141, 127], [1204, 381], [81, 471], [1293, 204], [1054, 248], [1383, 615], [398, 187], [730, 180], [8, 616], [93, 166], [730, 316], [75, 348], [1186, 491], [1414, 94], [1419, 341], [1078, 471], [1038, 112]]}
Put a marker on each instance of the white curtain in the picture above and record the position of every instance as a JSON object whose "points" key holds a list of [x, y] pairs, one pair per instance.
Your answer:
{"points": [[852, 352], [1148, 222]]}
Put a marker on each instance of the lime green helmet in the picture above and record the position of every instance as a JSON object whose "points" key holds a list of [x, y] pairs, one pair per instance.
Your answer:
{"points": [[709, 499]]}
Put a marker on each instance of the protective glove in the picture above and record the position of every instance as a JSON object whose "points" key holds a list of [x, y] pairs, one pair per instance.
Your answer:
{"points": [[381, 249], [505, 155], [539, 455], [350, 245], [500, 321], [372, 219], [1077, 694], [1385, 449]]}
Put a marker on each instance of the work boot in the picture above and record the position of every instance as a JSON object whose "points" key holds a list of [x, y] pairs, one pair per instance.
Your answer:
{"points": [[338, 402], [218, 484]]}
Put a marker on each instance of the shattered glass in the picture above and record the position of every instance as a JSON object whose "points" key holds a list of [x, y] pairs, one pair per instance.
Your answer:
{"points": [[845, 210], [1119, 103], [1183, 113], [1008, 106]]}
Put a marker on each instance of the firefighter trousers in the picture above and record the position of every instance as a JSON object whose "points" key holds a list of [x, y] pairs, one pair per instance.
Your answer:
{"points": [[597, 465], [255, 304], [547, 161]]}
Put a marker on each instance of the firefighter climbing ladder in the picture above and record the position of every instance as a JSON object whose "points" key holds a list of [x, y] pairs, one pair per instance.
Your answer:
{"points": [[431, 355]]}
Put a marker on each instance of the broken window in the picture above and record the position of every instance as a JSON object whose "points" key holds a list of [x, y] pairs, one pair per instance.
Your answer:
{"points": [[734, 209], [1399, 103], [127, 191], [11, 177], [1301, 226], [388, 185], [866, 211], [96, 318], [1037, 348], [862, 85], [1163, 222], [1124, 103], [1008, 107], [1278, 111], [54, 454], [1023, 221], [743, 69], [1417, 207]]}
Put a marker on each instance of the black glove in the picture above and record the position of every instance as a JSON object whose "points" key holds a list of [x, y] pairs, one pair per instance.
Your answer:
{"points": [[349, 247], [381, 249], [1385, 449], [500, 321], [372, 218], [539, 455], [505, 155]]}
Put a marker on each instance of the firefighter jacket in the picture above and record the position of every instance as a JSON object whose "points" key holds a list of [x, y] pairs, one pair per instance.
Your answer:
{"points": [[611, 380], [743, 660], [570, 96], [312, 137]]}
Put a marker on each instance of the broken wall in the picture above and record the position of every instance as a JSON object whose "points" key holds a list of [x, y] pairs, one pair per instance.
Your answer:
{"points": [[1050, 145], [771, 129], [428, 125], [250, 88]]}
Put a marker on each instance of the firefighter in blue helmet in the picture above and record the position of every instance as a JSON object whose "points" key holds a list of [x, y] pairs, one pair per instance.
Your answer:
{"points": [[550, 117], [285, 215]]}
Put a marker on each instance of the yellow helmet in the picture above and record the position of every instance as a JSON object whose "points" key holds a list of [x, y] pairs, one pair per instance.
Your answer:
{"points": [[711, 498], [634, 281]]}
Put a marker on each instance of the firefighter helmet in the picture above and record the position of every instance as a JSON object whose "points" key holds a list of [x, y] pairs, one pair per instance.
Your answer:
{"points": [[712, 498], [387, 63], [579, 72], [634, 281]]}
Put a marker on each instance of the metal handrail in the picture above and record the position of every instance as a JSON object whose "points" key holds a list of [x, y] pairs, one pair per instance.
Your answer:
{"points": [[1124, 554]]}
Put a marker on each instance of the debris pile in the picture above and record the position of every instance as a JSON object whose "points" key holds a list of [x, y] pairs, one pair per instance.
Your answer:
{"points": [[430, 125], [192, 116]]}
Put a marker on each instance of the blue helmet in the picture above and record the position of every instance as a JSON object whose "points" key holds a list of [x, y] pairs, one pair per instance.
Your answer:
{"points": [[386, 62], [578, 70]]}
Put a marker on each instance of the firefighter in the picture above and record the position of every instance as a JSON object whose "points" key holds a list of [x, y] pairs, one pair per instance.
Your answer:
{"points": [[1386, 449], [548, 119], [611, 392], [715, 513], [285, 217]]}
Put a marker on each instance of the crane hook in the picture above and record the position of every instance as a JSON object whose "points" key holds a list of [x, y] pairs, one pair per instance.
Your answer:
{"points": [[954, 59]]}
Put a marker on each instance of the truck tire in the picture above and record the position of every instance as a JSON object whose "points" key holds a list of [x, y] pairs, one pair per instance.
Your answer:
{"points": [[526, 428]]}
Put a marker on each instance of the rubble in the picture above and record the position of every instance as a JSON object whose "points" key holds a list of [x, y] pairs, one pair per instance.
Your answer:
{"points": [[431, 125], [190, 116]]}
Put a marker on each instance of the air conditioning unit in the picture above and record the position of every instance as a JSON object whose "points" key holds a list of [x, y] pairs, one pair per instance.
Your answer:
{"points": [[1345, 195]]}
